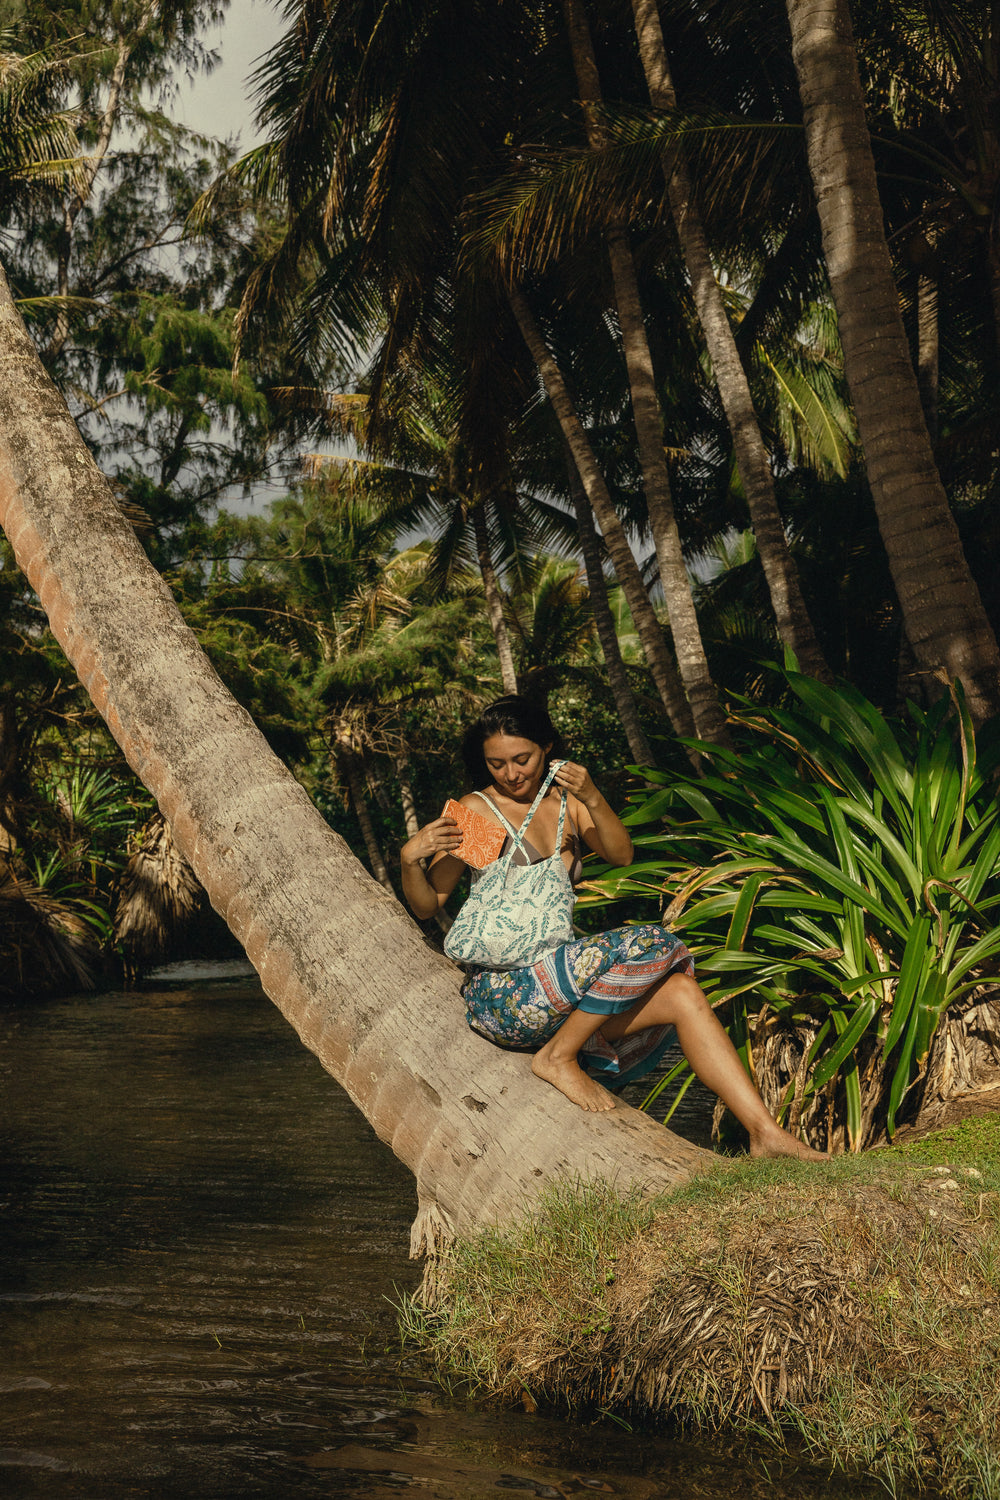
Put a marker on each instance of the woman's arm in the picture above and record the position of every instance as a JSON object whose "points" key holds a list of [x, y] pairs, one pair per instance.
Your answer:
{"points": [[599, 825], [427, 891]]}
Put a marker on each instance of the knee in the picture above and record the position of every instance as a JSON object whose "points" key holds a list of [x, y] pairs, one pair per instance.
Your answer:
{"points": [[686, 995]]}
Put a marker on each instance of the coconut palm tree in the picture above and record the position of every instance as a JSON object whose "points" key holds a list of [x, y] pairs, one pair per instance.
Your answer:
{"points": [[687, 642], [595, 486], [395, 153], [691, 661], [944, 618], [569, 199], [420, 474], [794, 625], [336, 952]]}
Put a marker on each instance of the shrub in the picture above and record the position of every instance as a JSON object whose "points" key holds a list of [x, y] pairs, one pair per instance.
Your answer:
{"points": [[836, 879]]}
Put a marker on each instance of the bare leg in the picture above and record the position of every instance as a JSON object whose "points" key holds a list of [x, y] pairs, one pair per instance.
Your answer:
{"points": [[556, 1062], [680, 1002]]}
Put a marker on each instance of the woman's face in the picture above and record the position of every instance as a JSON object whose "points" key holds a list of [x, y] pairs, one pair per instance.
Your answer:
{"points": [[517, 766]]}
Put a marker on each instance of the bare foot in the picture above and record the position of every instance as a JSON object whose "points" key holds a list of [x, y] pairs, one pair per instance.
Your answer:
{"points": [[773, 1141], [568, 1077]]}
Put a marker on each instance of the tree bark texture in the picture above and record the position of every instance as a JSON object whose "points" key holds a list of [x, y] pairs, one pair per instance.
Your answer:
{"points": [[663, 671], [336, 953], [494, 598], [752, 459], [406, 800], [604, 623], [709, 719], [942, 609], [928, 351]]}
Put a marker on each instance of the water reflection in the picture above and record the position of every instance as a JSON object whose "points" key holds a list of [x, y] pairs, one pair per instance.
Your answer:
{"points": [[200, 1239]]}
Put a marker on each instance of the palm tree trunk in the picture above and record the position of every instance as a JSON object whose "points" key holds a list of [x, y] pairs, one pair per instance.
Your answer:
{"points": [[928, 347], [410, 820], [604, 623], [335, 952], [791, 616], [494, 598], [664, 672], [710, 721], [348, 769], [943, 613]]}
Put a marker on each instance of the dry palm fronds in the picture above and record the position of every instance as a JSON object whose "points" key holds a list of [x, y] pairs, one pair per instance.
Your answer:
{"points": [[759, 1315], [45, 949], [158, 898], [964, 1057]]}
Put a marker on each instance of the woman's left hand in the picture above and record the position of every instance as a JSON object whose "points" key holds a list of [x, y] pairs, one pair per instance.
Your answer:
{"points": [[576, 779]]}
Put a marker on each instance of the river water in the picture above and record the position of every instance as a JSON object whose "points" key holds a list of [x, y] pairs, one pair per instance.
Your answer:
{"points": [[201, 1240]]}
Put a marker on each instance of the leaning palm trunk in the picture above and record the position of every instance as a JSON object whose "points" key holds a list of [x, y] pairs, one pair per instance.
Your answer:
{"points": [[647, 626], [791, 616], [604, 624], [943, 613], [335, 951], [709, 720]]}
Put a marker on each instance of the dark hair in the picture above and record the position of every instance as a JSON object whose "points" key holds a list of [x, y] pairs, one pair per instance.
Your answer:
{"points": [[519, 717]]}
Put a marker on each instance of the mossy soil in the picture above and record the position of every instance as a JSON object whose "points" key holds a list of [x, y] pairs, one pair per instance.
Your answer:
{"points": [[849, 1311]]}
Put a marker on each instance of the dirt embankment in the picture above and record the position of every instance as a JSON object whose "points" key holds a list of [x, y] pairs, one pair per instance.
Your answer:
{"points": [[856, 1305]]}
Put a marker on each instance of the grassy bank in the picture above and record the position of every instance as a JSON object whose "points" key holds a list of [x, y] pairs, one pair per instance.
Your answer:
{"points": [[851, 1311]]}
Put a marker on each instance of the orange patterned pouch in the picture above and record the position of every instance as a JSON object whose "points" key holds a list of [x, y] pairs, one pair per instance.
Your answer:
{"points": [[481, 839]]}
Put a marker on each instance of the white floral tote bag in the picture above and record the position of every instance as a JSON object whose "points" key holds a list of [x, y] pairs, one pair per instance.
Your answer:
{"points": [[515, 913]]}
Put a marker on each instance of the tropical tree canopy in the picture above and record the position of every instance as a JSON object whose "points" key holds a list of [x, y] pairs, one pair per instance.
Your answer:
{"points": [[576, 362]]}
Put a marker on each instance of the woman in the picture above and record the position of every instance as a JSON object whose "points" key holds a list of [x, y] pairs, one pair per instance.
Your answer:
{"points": [[608, 1004]]}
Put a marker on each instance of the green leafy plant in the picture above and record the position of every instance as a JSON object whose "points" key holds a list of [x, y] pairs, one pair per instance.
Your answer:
{"points": [[68, 897], [836, 877], [89, 813]]}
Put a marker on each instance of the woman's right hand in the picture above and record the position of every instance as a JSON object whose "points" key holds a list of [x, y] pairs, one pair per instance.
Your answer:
{"points": [[443, 836]]}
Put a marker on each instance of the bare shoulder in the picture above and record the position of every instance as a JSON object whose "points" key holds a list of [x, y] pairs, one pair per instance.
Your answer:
{"points": [[477, 803]]}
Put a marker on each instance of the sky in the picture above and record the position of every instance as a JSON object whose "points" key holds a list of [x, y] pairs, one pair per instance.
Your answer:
{"points": [[219, 104]]}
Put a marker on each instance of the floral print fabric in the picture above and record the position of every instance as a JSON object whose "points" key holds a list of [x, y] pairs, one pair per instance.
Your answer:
{"points": [[604, 975]]}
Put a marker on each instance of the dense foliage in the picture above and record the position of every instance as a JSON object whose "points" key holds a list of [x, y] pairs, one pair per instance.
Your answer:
{"points": [[497, 273], [838, 879]]}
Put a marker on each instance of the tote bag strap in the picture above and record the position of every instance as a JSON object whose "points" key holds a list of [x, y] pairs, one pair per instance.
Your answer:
{"points": [[497, 813], [516, 834], [553, 768], [562, 818]]}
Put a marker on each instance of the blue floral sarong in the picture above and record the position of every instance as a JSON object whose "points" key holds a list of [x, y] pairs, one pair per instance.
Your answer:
{"points": [[605, 974]]}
